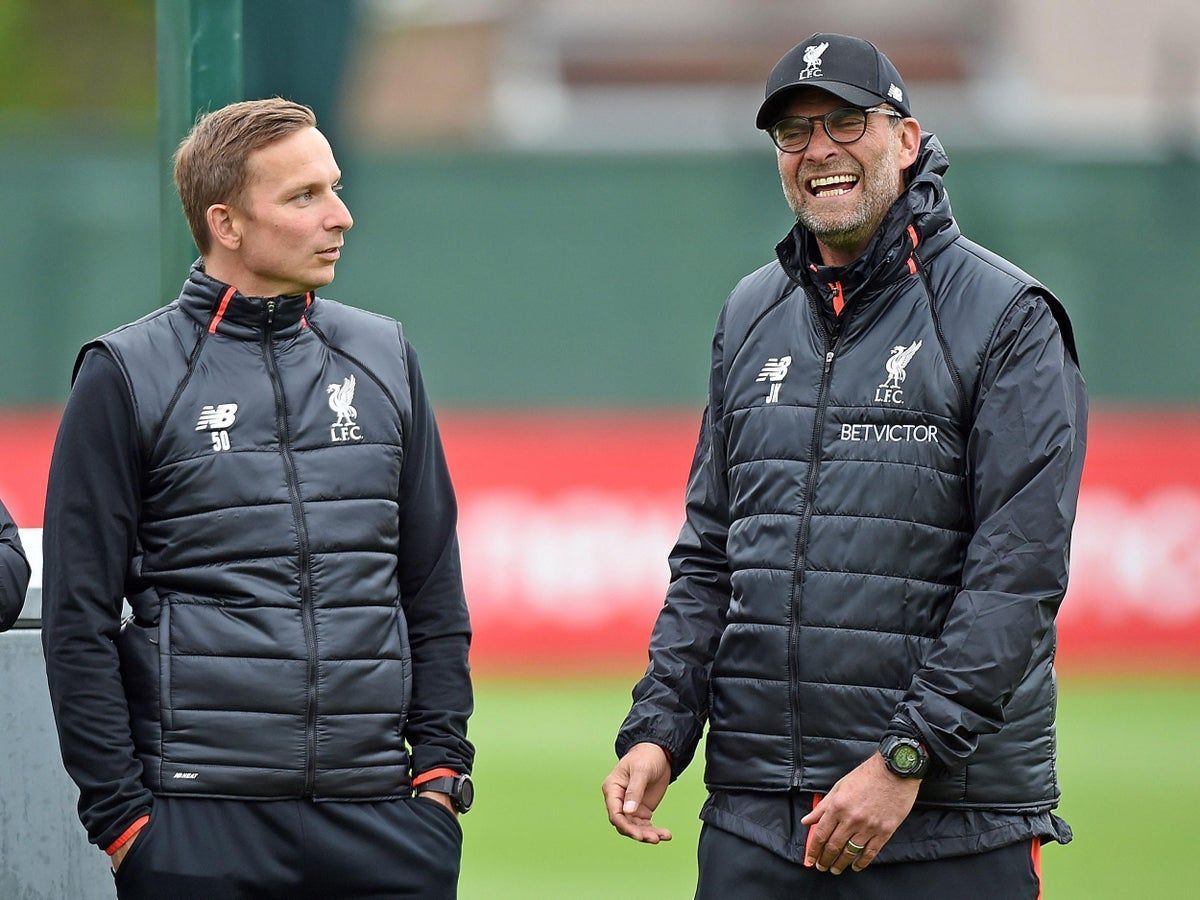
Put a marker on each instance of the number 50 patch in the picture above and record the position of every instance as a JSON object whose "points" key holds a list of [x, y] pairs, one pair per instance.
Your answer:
{"points": [[217, 420]]}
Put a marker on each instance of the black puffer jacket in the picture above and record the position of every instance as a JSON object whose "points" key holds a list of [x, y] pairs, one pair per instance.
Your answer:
{"points": [[269, 654], [878, 520], [14, 571]]}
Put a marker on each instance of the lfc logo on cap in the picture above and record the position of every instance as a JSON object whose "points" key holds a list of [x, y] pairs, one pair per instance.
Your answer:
{"points": [[812, 56]]}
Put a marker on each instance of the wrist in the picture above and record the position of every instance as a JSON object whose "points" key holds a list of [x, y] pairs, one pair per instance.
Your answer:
{"points": [[445, 784], [904, 757], [656, 746], [121, 844]]}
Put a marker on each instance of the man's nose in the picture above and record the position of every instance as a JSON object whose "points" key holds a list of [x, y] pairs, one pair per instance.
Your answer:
{"points": [[341, 217], [820, 146]]}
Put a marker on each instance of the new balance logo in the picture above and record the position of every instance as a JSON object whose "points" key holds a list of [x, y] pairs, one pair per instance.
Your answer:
{"points": [[217, 417], [217, 420], [774, 371]]}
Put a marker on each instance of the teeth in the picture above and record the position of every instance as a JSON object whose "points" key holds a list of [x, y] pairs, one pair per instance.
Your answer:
{"points": [[836, 192], [833, 179]]}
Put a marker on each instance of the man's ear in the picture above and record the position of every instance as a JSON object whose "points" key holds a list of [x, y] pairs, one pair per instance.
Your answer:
{"points": [[910, 142], [224, 226]]}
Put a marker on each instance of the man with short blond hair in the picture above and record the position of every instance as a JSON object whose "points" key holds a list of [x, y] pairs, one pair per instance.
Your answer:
{"points": [[258, 471], [879, 513]]}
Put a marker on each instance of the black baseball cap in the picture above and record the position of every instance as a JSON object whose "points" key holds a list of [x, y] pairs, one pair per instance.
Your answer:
{"points": [[847, 67]]}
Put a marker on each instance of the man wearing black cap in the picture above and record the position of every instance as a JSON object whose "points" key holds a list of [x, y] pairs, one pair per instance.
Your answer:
{"points": [[878, 517]]}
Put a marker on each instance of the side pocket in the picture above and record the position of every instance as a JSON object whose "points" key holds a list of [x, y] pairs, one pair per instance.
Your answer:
{"points": [[164, 663], [137, 853], [405, 666], [442, 811], [137, 648], [944, 787]]}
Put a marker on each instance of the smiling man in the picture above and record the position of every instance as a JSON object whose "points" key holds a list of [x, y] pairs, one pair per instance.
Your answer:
{"points": [[258, 471], [879, 511]]}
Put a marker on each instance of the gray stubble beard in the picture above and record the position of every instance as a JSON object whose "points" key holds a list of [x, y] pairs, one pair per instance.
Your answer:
{"points": [[880, 189]]}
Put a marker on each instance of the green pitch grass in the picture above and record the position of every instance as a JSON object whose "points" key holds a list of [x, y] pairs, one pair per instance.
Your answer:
{"points": [[1127, 749]]}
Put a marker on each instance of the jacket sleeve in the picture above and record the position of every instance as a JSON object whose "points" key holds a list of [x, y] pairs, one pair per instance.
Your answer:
{"points": [[1025, 458], [14, 571], [431, 591], [670, 702], [92, 506]]}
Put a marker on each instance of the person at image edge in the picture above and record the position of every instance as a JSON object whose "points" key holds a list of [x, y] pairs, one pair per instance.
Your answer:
{"points": [[14, 571]]}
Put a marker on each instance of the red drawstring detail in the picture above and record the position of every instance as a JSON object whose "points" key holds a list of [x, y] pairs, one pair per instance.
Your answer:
{"points": [[212, 326], [912, 260], [839, 300], [308, 299]]}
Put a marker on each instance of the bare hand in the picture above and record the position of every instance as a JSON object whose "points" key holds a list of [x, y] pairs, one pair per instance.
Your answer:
{"points": [[866, 807], [633, 790], [118, 855], [440, 797]]}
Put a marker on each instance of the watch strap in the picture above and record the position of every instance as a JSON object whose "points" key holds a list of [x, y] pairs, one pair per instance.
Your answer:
{"points": [[443, 784]]}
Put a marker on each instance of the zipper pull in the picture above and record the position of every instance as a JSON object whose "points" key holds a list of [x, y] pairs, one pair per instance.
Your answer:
{"points": [[270, 314], [828, 362]]}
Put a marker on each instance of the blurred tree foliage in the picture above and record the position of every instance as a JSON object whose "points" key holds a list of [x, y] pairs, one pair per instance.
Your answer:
{"points": [[78, 56]]}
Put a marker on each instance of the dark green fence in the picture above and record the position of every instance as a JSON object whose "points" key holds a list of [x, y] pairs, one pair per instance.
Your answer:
{"points": [[530, 280]]}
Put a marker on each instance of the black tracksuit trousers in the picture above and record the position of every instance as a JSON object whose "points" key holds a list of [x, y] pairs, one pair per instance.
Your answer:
{"points": [[732, 867], [200, 849]]}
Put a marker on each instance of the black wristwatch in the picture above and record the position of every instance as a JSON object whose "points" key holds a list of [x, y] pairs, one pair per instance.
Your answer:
{"points": [[459, 788], [904, 756]]}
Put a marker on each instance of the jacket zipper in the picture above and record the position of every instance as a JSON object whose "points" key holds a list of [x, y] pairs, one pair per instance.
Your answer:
{"points": [[306, 606], [810, 482]]}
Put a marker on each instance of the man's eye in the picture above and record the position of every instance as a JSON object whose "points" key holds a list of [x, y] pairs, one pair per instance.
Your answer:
{"points": [[306, 195], [338, 188]]}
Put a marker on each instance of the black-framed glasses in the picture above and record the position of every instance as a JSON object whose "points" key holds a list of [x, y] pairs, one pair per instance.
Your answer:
{"points": [[846, 125]]}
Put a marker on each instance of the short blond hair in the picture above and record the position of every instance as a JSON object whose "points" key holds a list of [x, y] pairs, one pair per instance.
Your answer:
{"points": [[210, 163]]}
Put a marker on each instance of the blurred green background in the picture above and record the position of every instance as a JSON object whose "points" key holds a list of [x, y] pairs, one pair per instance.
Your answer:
{"points": [[567, 280], [587, 267], [533, 274], [540, 830]]}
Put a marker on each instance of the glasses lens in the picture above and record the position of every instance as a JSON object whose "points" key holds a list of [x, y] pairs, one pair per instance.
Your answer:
{"points": [[846, 125], [792, 133]]}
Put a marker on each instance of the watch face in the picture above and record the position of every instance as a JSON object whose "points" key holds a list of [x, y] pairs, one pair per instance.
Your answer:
{"points": [[466, 794], [905, 758]]}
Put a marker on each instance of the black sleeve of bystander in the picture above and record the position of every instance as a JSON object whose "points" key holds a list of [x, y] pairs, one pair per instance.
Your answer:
{"points": [[91, 517], [431, 590], [14, 571]]}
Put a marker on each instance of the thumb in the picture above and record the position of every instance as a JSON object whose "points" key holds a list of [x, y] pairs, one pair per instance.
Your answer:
{"points": [[635, 790]]}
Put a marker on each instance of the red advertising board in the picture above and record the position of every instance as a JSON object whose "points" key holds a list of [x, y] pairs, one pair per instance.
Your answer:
{"points": [[566, 520]]}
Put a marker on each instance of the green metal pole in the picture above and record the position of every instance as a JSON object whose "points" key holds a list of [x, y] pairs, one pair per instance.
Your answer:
{"points": [[199, 69]]}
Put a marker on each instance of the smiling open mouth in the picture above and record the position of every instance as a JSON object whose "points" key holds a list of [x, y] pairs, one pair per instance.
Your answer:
{"points": [[831, 185]]}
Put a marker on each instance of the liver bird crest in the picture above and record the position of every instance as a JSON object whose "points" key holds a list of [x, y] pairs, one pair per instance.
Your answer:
{"points": [[341, 396], [898, 362]]}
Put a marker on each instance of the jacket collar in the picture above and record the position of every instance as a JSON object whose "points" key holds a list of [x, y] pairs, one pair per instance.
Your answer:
{"points": [[919, 224], [223, 309]]}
